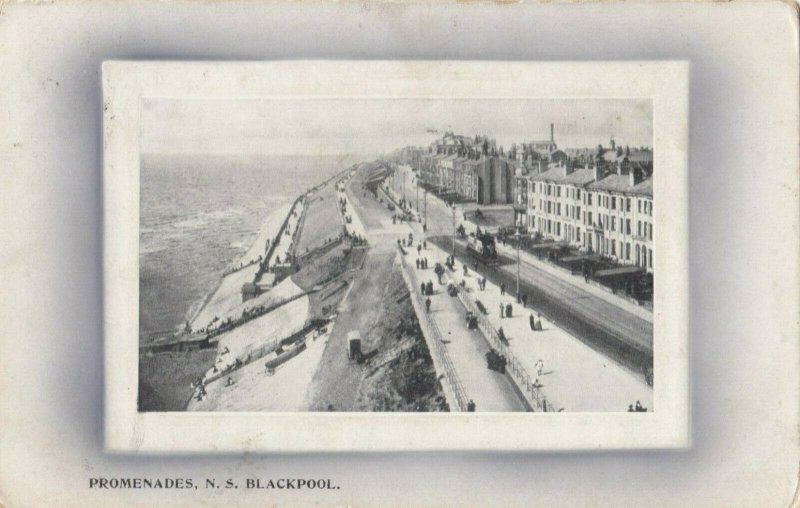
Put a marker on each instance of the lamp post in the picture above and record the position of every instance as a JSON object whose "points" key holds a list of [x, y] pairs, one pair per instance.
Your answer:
{"points": [[453, 206], [416, 188], [425, 213], [518, 237]]}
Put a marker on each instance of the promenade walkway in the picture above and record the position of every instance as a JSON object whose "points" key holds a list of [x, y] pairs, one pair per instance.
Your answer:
{"points": [[574, 377], [490, 390]]}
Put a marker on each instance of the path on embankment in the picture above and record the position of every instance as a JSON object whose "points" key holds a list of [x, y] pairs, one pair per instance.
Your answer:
{"points": [[337, 379]]}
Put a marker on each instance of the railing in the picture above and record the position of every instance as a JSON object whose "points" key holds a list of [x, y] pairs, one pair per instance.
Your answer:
{"points": [[276, 241], [518, 373], [438, 351]]}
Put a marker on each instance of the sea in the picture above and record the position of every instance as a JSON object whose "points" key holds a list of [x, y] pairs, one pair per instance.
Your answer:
{"points": [[200, 213]]}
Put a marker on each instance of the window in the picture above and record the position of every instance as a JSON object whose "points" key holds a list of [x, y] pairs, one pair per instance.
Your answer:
{"points": [[627, 204], [627, 251], [639, 228], [639, 203], [650, 258], [578, 193], [558, 208], [613, 247], [590, 219], [613, 202], [650, 233], [590, 198], [558, 191], [627, 226], [613, 223]]}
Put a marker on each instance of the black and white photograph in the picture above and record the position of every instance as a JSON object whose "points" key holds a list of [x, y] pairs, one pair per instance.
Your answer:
{"points": [[301, 246], [425, 255]]}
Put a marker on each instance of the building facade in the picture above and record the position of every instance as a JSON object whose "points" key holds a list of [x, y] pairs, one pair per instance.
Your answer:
{"points": [[597, 209]]}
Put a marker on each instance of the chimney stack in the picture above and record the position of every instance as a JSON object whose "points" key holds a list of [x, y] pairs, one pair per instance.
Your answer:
{"points": [[598, 172], [633, 177], [569, 167]]}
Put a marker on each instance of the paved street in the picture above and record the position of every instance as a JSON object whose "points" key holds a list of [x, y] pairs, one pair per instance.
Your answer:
{"points": [[605, 327], [575, 377]]}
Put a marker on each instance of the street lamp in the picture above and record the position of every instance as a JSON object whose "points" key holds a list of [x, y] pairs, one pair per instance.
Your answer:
{"points": [[416, 187], [453, 206], [518, 237], [425, 214]]}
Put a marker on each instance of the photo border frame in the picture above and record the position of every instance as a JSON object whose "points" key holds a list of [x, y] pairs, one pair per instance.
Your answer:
{"points": [[125, 83]]}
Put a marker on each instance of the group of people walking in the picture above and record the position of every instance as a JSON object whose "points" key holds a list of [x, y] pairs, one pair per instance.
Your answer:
{"points": [[422, 263]]}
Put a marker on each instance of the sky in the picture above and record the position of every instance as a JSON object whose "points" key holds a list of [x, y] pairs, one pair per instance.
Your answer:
{"points": [[328, 126]]}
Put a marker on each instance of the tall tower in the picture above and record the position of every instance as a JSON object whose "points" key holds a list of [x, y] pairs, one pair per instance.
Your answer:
{"points": [[552, 137]]}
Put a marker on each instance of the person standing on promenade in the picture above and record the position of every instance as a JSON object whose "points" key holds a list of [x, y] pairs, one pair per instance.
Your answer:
{"points": [[427, 305], [501, 310], [502, 289], [539, 367]]}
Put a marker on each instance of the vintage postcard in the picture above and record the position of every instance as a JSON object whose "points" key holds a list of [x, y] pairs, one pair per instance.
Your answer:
{"points": [[395, 255]]}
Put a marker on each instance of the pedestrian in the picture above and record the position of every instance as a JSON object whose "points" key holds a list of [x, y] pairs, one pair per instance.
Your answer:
{"points": [[471, 406], [524, 300], [502, 289], [539, 367], [427, 305], [417, 263], [532, 323], [466, 270], [630, 408], [425, 244], [419, 249], [639, 406], [501, 310], [422, 288]]}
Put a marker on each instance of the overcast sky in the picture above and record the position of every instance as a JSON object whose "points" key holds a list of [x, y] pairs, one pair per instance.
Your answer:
{"points": [[372, 126]]}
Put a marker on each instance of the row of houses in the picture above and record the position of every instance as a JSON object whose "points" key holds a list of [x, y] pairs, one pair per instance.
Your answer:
{"points": [[599, 200], [599, 208], [485, 180]]}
